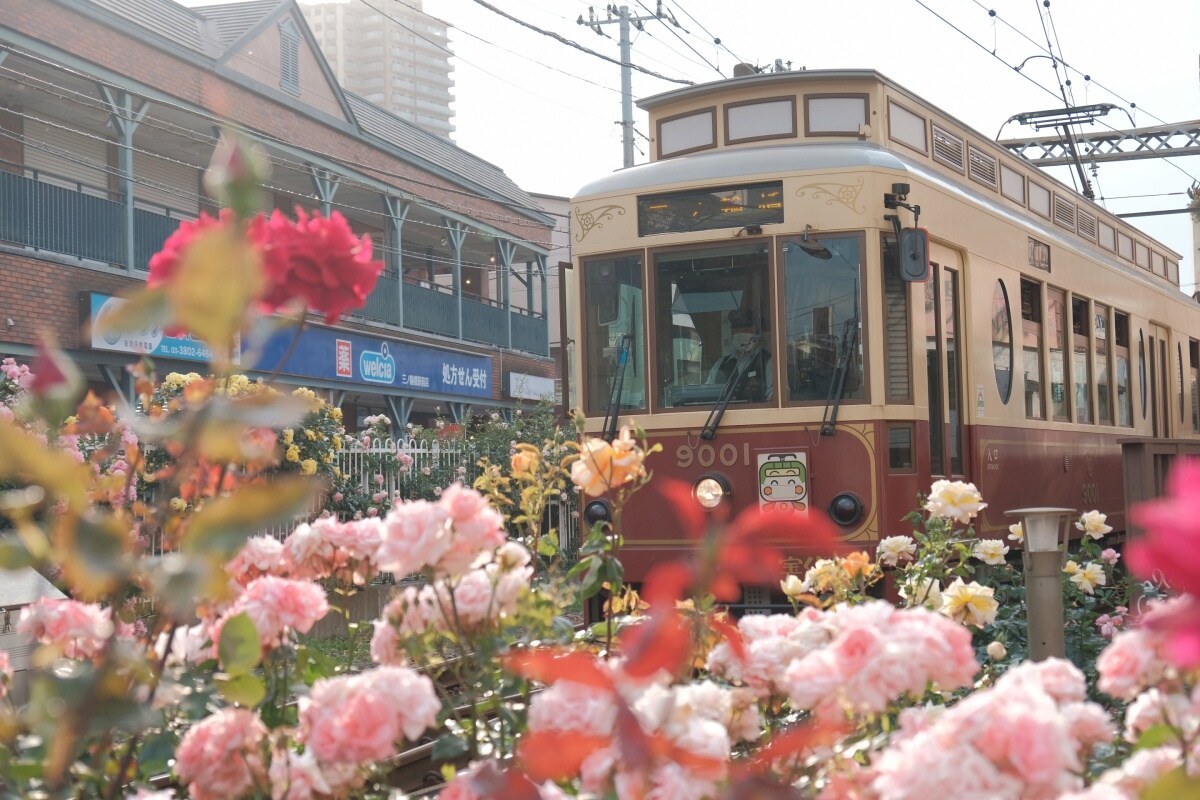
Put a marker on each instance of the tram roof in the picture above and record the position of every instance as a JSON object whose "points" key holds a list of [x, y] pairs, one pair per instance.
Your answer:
{"points": [[742, 163], [762, 79]]}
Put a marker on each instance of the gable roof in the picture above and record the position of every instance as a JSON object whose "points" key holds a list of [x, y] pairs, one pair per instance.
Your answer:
{"points": [[233, 20], [216, 32], [442, 154]]}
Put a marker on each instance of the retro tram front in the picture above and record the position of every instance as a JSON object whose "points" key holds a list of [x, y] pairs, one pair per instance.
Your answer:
{"points": [[763, 298]]}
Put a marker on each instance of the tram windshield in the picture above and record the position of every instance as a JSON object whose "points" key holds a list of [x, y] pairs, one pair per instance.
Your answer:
{"points": [[712, 318], [822, 337], [612, 323]]}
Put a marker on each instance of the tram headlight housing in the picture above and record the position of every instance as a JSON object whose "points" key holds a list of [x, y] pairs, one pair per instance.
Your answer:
{"points": [[711, 489], [599, 510], [846, 509]]}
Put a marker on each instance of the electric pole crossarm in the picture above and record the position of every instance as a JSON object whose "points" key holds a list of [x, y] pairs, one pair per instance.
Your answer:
{"points": [[1160, 141]]}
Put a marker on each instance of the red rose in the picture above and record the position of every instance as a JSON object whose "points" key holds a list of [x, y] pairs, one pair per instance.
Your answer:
{"points": [[164, 263], [319, 260]]}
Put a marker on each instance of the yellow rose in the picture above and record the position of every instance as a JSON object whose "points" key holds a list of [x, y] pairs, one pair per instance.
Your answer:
{"points": [[308, 467], [327, 458], [288, 433], [312, 437], [178, 504], [336, 413], [293, 453], [602, 466]]}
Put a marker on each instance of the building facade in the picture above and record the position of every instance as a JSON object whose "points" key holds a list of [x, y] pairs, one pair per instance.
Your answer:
{"points": [[391, 54], [109, 113]]}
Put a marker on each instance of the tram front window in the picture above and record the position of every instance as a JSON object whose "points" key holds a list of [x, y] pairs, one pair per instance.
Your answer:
{"points": [[713, 326], [823, 336], [614, 335]]}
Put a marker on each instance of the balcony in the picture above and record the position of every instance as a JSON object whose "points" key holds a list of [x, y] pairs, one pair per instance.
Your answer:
{"points": [[71, 219]]}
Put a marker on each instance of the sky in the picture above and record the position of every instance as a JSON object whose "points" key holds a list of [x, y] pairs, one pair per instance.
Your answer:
{"points": [[547, 113]]}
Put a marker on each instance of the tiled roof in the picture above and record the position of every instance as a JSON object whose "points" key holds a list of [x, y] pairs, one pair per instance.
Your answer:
{"points": [[169, 20], [438, 151], [232, 20]]}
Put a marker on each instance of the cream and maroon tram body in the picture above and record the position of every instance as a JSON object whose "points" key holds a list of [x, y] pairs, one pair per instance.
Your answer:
{"points": [[750, 297]]}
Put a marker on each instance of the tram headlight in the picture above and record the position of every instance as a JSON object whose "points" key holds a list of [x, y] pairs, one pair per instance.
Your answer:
{"points": [[709, 490], [597, 511], [846, 509]]}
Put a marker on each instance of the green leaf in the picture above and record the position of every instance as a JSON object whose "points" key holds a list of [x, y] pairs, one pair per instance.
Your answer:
{"points": [[239, 650], [546, 547], [223, 524], [1175, 785], [245, 690], [313, 665], [155, 753], [1155, 736], [448, 747]]}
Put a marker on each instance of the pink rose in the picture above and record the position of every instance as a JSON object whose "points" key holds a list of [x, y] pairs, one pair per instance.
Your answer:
{"points": [[218, 758]]}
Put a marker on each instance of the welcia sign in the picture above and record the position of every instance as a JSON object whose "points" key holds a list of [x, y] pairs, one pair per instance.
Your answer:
{"points": [[349, 357]]}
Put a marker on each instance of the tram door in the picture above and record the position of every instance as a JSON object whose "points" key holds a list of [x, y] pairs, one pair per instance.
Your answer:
{"points": [[943, 363], [1157, 350]]}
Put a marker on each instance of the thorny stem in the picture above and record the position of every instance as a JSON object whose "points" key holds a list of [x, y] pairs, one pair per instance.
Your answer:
{"points": [[114, 788]]}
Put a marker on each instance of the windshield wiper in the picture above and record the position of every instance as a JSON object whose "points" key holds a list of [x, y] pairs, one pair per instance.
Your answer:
{"points": [[709, 432], [837, 387], [609, 431]]}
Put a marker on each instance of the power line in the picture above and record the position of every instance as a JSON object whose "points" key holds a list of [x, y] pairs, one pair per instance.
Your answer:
{"points": [[675, 24], [715, 39], [577, 46]]}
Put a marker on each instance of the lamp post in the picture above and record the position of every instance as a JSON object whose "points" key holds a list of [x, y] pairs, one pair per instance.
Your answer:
{"points": [[1043, 586]]}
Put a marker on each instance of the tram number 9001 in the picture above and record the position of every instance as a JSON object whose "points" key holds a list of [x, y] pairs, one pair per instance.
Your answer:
{"points": [[706, 455]]}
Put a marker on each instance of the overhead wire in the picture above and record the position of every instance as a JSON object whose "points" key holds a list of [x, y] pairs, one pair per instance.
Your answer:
{"points": [[675, 33], [562, 39], [716, 40], [984, 48]]}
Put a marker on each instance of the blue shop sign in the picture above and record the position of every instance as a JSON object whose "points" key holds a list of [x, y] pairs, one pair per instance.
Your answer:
{"points": [[353, 358], [150, 341]]}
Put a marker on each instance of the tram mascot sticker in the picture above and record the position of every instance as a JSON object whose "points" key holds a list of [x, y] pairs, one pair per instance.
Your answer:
{"points": [[783, 482]]}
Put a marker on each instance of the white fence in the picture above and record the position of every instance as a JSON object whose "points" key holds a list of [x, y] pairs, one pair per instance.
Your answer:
{"points": [[412, 460]]}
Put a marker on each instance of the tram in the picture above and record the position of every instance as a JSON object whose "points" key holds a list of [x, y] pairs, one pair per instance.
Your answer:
{"points": [[824, 293]]}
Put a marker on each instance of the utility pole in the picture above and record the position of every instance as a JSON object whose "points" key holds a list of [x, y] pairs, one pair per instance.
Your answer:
{"points": [[624, 21]]}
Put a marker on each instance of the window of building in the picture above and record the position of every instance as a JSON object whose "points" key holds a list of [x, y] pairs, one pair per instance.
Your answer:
{"points": [[289, 57]]}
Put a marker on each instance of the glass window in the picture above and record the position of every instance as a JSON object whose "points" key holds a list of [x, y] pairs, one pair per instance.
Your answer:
{"points": [[900, 448], [706, 209], [933, 371], [822, 342], [614, 333], [895, 316], [1194, 373], [1056, 335], [1002, 350], [1179, 379], [1103, 383], [1142, 369], [1081, 364], [1031, 348], [712, 324], [953, 370], [1121, 346]]}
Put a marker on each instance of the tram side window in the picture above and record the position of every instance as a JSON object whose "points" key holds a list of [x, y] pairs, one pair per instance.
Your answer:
{"points": [[896, 352], [1103, 372], [822, 309], [1081, 363], [1194, 373], [712, 321], [1031, 348], [1121, 350], [613, 330], [1056, 336]]}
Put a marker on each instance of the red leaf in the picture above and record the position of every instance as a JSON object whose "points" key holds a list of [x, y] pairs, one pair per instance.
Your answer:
{"points": [[720, 624], [491, 781], [666, 583], [791, 742], [556, 755], [677, 497], [550, 664], [662, 642]]}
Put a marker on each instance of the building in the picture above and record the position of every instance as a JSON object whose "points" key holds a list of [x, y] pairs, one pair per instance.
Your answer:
{"points": [[109, 111], [390, 53]]}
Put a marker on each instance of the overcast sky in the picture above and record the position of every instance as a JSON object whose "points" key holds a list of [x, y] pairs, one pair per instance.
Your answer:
{"points": [[546, 113]]}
